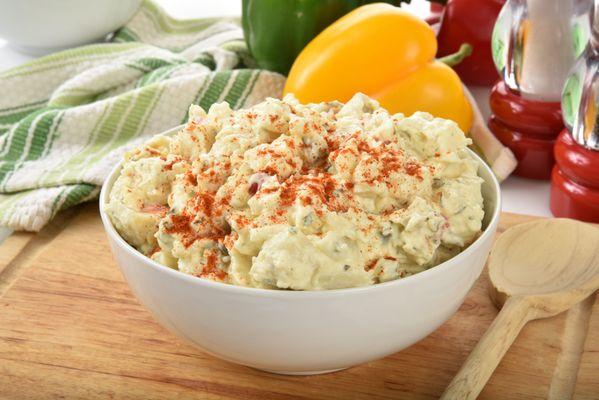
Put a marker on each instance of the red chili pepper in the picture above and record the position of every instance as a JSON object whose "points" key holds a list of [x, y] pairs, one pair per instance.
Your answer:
{"points": [[470, 21]]}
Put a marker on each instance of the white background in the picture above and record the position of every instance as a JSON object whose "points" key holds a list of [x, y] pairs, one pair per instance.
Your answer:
{"points": [[519, 195]]}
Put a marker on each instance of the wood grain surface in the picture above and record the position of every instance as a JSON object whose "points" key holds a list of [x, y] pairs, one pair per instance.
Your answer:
{"points": [[70, 329], [536, 270]]}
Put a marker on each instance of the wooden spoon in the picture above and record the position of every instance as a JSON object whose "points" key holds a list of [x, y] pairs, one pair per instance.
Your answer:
{"points": [[538, 269]]}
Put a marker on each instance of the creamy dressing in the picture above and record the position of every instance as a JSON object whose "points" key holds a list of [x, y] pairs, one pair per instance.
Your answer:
{"points": [[303, 197]]}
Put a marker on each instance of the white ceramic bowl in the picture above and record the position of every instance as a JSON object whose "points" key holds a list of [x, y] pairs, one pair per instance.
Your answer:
{"points": [[305, 332], [43, 26]]}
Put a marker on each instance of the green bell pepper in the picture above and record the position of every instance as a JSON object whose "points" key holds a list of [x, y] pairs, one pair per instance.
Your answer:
{"points": [[277, 30]]}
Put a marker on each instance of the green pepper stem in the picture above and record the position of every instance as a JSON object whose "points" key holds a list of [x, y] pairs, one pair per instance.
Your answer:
{"points": [[457, 57]]}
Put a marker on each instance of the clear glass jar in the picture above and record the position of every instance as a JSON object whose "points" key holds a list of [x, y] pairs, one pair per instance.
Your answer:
{"points": [[536, 42], [580, 98]]}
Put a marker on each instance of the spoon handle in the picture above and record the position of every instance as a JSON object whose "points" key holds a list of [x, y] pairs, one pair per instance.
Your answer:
{"points": [[489, 351]]}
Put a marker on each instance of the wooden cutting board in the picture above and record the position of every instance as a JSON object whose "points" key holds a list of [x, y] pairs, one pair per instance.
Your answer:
{"points": [[70, 329]]}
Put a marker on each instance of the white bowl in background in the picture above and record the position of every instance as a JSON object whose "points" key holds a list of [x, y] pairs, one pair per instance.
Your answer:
{"points": [[308, 332], [43, 26]]}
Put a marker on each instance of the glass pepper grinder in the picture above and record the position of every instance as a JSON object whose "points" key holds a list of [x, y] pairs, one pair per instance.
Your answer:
{"points": [[535, 43], [575, 178]]}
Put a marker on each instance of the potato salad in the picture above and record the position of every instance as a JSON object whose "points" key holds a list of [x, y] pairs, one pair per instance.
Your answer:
{"points": [[302, 197]]}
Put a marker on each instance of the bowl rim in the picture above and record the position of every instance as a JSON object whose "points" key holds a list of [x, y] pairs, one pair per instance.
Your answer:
{"points": [[307, 294]]}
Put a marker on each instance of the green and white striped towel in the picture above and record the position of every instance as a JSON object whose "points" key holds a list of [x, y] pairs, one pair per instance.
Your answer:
{"points": [[67, 118]]}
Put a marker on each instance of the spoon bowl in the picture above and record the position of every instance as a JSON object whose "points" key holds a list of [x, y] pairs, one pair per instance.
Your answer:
{"points": [[552, 262]]}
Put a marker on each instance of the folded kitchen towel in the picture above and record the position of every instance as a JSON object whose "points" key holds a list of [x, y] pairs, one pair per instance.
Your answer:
{"points": [[67, 118]]}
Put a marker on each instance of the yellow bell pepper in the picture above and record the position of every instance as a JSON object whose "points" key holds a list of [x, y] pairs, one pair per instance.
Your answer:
{"points": [[386, 53]]}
